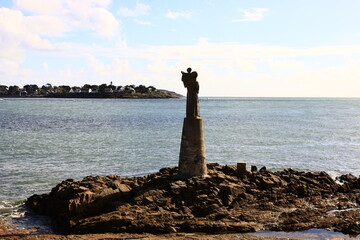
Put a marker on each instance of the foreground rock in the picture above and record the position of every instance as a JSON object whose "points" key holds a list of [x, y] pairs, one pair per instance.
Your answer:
{"points": [[226, 201]]}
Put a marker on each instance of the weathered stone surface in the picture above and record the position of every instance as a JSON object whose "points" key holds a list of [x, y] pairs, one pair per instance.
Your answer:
{"points": [[192, 159], [224, 201]]}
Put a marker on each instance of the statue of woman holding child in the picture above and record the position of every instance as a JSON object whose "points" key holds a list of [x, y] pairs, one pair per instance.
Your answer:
{"points": [[192, 99]]}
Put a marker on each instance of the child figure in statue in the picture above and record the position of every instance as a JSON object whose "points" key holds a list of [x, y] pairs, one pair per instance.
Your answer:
{"points": [[192, 99]]}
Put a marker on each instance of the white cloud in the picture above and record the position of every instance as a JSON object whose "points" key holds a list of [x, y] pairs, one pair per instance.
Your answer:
{"points": [[57, 17], [15, 33], [96, 66], [286, 64], [176, 15], [117, 71], [20, 33], [253, 15], [146, 23], [33, 41], [52, 7], [93, 15], [140, 9], [102, 22], [54, 26], [121, 66], [11, 72]]}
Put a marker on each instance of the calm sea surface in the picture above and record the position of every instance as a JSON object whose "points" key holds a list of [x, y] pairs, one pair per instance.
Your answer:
{"points": [[45, 141]]}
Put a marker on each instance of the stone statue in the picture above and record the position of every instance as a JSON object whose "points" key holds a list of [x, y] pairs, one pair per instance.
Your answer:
{"points": [[192, 159], [192, 99]]}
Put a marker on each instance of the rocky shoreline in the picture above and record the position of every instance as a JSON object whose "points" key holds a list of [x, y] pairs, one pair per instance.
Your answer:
{"points": [[8, 234], [227, 201]]}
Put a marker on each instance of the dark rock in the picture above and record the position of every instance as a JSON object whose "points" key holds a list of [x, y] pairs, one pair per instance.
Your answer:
{"points": [[263, 169], [224, 201]]}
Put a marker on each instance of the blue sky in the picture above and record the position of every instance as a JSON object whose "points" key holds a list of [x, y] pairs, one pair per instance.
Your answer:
{"points": [[268, 48]]}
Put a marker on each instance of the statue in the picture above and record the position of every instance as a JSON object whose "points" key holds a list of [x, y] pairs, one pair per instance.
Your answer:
{"points": [[192, 99], [192, 159]]}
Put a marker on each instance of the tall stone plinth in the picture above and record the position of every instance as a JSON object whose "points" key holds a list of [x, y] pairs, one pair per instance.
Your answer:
{"points": [[192, 160]]}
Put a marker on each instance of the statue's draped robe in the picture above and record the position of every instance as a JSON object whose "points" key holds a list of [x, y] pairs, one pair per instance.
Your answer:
{"points": [[192, 99]]}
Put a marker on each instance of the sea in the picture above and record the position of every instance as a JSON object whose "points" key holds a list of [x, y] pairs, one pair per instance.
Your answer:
{"points": [[45, 141]]}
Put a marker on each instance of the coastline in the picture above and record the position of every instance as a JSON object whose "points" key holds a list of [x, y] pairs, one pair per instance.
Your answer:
{"points": [[30, 234], [7, 232], [161, 94]]}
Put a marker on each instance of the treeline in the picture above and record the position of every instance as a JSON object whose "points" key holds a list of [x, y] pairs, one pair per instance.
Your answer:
{"points": [[49, 90]]}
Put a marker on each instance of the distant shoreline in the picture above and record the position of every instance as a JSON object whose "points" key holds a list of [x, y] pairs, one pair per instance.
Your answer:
{"points": [[164, 94]]}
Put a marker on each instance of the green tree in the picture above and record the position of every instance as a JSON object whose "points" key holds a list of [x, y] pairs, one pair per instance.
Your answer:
{"points": [[44, 90], [13, 90], [129, 89], [102, 88], [49, 87], [152, 89], [94, 87], [64, 89], [3, 89], [141, 89], [86, 86], [31, 88], [75, 88]]}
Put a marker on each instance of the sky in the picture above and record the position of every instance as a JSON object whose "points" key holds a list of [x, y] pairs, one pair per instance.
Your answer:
{"points": [[239, 48]]}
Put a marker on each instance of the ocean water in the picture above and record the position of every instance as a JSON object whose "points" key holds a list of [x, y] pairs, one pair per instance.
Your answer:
{"points": [[45, 141]]}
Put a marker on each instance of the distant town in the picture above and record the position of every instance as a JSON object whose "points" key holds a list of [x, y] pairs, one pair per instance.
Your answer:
{"points": [[86, 91]]}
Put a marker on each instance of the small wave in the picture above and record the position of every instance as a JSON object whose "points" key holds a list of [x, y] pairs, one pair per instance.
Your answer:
{"points": [[10, 210], [5, 210], [15, 214], [334, 174]]}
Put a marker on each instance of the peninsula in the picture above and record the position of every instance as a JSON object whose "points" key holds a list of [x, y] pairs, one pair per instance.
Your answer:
{"points": [[86, 91]]}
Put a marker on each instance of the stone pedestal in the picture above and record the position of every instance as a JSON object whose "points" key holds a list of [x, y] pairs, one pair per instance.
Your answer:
{"points": [[192, 161]]}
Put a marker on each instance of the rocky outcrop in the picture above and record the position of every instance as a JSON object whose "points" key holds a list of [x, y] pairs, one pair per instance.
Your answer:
{"points": [[225, 201]]}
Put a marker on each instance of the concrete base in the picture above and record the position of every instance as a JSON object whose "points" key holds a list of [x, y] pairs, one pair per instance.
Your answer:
{"points": [[192, 161]]}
